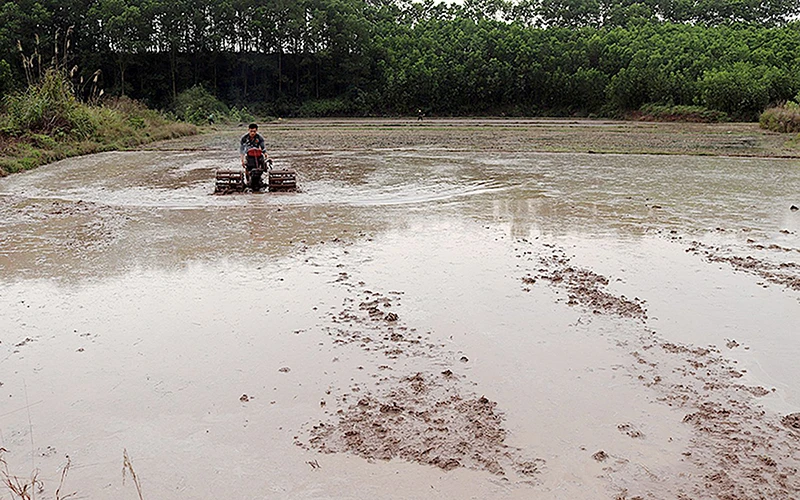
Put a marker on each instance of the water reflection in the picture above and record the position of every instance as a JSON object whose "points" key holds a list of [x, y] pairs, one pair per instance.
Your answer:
{"points": [[106, 212], [137, 287]]}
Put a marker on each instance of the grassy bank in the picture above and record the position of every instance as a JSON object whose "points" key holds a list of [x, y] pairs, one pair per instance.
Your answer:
{"points": [[670, 113], [784, 118], [46, 123]]}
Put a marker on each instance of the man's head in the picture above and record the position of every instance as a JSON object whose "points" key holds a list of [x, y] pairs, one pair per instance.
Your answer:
{"points": [[252, 129]]}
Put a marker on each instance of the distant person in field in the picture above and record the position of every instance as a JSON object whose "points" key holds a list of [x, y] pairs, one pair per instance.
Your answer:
{"points": [[253, 140], [420, 115]]}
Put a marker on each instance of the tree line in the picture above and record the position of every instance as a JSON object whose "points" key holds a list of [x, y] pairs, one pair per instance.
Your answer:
{"points": [[358, 57]]}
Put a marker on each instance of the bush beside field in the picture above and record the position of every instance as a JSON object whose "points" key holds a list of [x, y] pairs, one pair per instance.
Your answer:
{"points": [[671, 113], [784, 118], [199, 106], [46, 123]]}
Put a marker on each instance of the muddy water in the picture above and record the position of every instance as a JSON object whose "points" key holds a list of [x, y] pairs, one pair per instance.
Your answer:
{"points": [[210, 336]]}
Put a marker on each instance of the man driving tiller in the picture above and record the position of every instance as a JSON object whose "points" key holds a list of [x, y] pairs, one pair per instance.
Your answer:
{"points": [[253, 150]]}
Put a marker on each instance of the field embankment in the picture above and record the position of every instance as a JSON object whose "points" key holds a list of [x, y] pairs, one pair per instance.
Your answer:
{"points": [[483, 135], [46, 123], [784, 118]]}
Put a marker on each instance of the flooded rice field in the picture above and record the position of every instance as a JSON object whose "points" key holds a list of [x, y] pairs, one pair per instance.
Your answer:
{"points": [[418, 321]]}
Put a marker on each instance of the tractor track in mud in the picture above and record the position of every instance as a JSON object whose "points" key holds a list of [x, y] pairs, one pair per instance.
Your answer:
{"points": [[419, 403], [421, 407], [739, 449], [775, 269]]}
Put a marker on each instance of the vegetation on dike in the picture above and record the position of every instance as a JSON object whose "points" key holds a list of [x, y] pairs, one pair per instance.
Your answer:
{"points": [[784, 118], [199, 106], [671, 113], [46, 122]]}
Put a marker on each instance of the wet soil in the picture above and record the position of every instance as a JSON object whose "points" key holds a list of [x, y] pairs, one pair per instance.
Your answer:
{"points": [[433, 418], [779, 271], [553, 135], [739, 450], [442, 311]]}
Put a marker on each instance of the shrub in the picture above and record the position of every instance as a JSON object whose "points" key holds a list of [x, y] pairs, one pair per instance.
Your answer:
{"points": [[628, 89], [60, 126], [198, 106], [242, 115], [680, 113], [739, 90], [326, 107], [785, 118], [124, 120], [49, 107], [6, 79]]}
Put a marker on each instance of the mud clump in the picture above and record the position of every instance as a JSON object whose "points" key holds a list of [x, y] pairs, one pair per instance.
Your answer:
{"points": [[421, 413], [792, 421], [424, 420], [732, 344], [584, 287], [742, 451], [630, 431], [780, 273], [739, 450]]}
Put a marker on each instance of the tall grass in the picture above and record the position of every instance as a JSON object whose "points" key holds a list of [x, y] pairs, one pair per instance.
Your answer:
{"points": [[783, 118], [49, 107], [46, 122], [679, 113], [26, 488], [199, 106]]}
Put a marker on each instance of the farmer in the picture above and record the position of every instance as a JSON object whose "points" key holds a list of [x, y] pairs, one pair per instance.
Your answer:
{"points": [[253, 140]]}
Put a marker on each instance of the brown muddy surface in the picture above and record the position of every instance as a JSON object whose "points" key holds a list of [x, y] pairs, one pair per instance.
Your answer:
{"points": [[450, 309], [515, 135]]}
